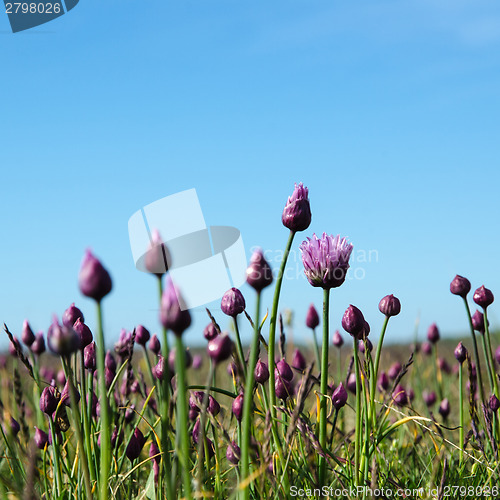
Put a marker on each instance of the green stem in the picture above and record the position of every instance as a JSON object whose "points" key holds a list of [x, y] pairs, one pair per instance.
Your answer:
{"points": [[437, 372], [182, 416], [324, 385], [488, 365], [105, 411], [86, 425], [316, 349], [239, 347], [373, 381], [490, 353], [248, 402], [357, 434], [461, 403]]}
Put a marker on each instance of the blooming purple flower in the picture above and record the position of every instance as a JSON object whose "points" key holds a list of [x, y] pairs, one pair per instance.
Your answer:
{"points": [[173, 312], [259, 273], [326, 260], [460, 286], [297, 212], [312, 318], [94, 280], [233, 302]]}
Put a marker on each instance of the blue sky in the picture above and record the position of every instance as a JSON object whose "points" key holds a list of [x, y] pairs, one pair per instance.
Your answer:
{"points": [[387, 111]]}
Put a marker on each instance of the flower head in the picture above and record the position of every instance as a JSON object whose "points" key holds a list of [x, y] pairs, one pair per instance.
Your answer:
{"points": [[157, 259], [142, 335], [390, 306], [259, 273], [339, 397], [326, 260], [460, 353], [94, 280], [261, 372], [61, 339], [233, 302], [353, 321], [483, 297], [83, 332], [433, 333], [297, 212], [173, 312], [220, 348], [27, 335], [154, 344], [478, 321], [460, 286], [312, 318], [71, 314]]}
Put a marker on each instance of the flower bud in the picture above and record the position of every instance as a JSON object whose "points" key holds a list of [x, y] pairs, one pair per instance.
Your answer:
{"points": [[283, 388], [197, 362], [154, 344], [141, 335], [27, 335], [261, 372], [429, 398], [337, 339], [61, 377], [38, 346], [351, 383], [394, 370], [110, 362], [232, 303], [353, 321], [48, 400], [297, 212], [83, 332], [14, 347], [94, 280], [483, 297], [66, 395], [444, 366], [109, 376], [367, 342], [259, 273], [433, 333], [41, 438], [478, 322], [196, 431], [210, 332], [173, 354], [400, 396], [173, 312], [444, 408], [89, 357], [460, 353], [283, 371], [494, 403], [460, 286], [220, 348], [233, 453], [14, 426], [390, 306], [339, 397], [157, 259], [383, 382], [299, 361], [427, 348], [71, 314], [61, 339], [312, 318], [135, 445], [238, 407], [159, 369]]}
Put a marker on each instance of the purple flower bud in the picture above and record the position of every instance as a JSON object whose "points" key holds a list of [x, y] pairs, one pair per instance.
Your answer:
{"points": [[61, 377], [297, 212], [66, 395], [135, 445], [283, 371], [339, 397], [390, 306], [460, 353], [48, 400], [283, 388], [411, 394], [337, 339], [47, 373], [383, 382], [399, 396], [444, 366], [61, 339], [460, 286], [220, 348], [89, 357], [351, 383], [157, 259], [427, 348], [299, 361], [173, 354], [444, 408], [429, 397], [394, 370], [261, 372], [154, 344], [83, 332], [312, 318], [210, 332], [366, 342], [196, 431], [141, 335], [353, 321], [494, 403], [232, 303], [41, 438], [13, 346], [27, 335], [71, 314], [238, 407], [94, 280], [478, 322], [233, 453], [154, 451], [192, 414], [116, 439], [173, 312], [433, 333], [159, 369], [483, 297], [38, 346], [130, 414], [259, 273], [94, 402], [14, 426], [122, 347], [232, 369], [109, 376], [197, 362]]}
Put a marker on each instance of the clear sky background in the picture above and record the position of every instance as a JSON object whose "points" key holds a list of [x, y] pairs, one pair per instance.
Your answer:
{"points": [[388, 111]]}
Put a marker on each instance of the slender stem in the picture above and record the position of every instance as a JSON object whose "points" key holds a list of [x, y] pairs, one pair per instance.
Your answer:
{"points": [[476, 352], [461, 403], [490, 353], [239, 347], [316, 349], [182, 416], [488, 364], [86, 424], [373, 381], [105, 411], [357, 434], [324, 385], [437, 372], [248, 402]]}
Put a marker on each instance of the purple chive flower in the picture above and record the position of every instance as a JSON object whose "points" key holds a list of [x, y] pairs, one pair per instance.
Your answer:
{"points": [[390, 306], [233, 302], [71, 314], [220, 348], [172, 355], [89, 357], [433, 333], [159, 369], [135, 445], [339, 397], [460, 286], [38, 346], [197, 362], [14, 347], [210, 332], [27, 335], [157, 259], [94, 402], [429, 397], [444, 408], [337, 339], [261, 372], [400, 396], [196, 402], [142, 335], [427, 348], [154, 452], [297, 212], [41, 438], [283, 371], [116, 439], [123, 345], [61, 377], [110, 362], [299, 361], [351, 383], [48, 400], [383, 382], [312, 318], [83, 332], [61, 339], [443, 365], [483, 297], [233, 453], [14, 426], [478, 321], [394, 370], [259, 273], [326, 260], [494, 403], [154, 344], [366, 342], [237, 407], [196, 431], [353, 321], [460, 353], [173, 313], [66, 395], [94, 280], [283, 388]]}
